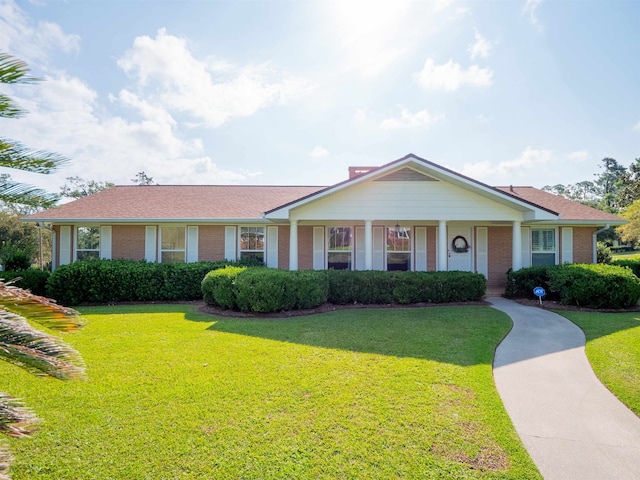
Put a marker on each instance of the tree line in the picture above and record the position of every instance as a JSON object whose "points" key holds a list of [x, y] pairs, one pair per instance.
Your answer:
{"points": [[616, 189]]}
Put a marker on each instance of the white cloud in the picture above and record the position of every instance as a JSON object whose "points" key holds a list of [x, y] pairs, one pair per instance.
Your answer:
{"points": [[482, 119], [421, 119], [318, 152], [213, 92], [451, 76], [529, 161], [481, 47], [66, 116], [579, 156], [31, 42], [636, 127], [529, 10], [361, 115]]}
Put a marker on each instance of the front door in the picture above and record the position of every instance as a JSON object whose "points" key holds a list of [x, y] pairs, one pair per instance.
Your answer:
{"points": [[459, 249]]}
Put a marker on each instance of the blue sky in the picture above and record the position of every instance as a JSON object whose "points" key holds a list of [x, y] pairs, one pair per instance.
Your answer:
{"points": [[528, 92]]}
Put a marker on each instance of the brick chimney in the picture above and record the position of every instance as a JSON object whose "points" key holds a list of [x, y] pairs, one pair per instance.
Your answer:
{"points": [[357, 171]]}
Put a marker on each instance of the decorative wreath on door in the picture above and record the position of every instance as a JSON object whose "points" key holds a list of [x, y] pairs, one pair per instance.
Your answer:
{"points": [[459, 244]]}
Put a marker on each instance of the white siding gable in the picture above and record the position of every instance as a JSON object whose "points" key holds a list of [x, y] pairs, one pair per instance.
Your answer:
{"points": [[429, 200]]}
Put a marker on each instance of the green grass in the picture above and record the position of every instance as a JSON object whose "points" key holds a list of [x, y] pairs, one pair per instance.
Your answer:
{"points": [[172, 393], [630, 255], [613, 349]]}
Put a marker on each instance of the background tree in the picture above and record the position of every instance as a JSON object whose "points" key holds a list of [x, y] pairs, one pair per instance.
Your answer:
{"points": [[143, 179], [630, 232], [76, 187], [630, 185], [610, 182]]}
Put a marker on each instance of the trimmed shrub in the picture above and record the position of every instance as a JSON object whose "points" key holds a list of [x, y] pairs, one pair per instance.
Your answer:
{"points": [[634, 265], [218, 287], [585, 285], [379, 287], [271, 290], [595, 286], [33, 280], [106, 281], [520, 283]]}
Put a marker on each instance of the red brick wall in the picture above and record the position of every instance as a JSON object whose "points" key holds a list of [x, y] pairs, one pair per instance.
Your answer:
{"points": [[583, 244], [210, 243], [500, 244], [283, 247], [305, 247], [127, 241]]}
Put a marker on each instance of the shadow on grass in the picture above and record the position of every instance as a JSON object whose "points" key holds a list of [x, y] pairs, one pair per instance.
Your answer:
{"points": [[457, 335]]}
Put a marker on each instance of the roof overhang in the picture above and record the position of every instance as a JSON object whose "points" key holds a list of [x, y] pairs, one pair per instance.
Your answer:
{"points": [[530, 211], [146, 221]]}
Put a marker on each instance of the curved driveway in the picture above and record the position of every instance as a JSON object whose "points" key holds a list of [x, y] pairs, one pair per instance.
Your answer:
{"points": [[571, 425]]}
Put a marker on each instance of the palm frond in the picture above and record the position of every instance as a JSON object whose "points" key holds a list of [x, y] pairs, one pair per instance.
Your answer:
{"points": [[9, 109], [39, 309], [35, 351], [13, 70], [15, 155], [5, 461], [22, 194], [15, 419]]}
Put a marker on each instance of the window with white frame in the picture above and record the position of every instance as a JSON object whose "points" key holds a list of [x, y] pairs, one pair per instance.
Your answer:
{"points": [[543, 246], [252, 243], [340, 248], [172, 244], [87, 243], [398, 248]]}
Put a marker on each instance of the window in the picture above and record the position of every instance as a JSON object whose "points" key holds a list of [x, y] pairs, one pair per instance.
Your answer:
{"points": [[543, 246], [398, 248], [87, 243], [339, 251], [252, 243], [172, 246]]}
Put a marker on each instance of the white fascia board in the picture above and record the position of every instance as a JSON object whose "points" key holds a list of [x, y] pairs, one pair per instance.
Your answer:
{"points": [[141, 221], [576, 223]]}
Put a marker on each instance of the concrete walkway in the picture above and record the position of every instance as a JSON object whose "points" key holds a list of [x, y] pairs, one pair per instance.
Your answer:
{"points": [[571, 425]]}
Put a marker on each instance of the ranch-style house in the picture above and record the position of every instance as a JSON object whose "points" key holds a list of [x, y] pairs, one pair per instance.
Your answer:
{"points": [[410, 214]]}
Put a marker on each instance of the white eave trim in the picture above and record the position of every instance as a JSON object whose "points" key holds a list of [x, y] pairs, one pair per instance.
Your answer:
{"points": [[221, 221]]}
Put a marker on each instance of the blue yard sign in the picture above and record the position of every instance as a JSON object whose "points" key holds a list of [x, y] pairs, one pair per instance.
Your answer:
{"points": [[539, 292]]}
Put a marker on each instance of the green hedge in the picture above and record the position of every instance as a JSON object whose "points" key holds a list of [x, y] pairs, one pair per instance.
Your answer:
{"points": [[32, 280], [585, 285], [270, 290], [634, 265], [106, 281], [265, 290]]}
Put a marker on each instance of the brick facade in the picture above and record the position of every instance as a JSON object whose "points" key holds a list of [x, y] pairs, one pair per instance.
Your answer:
{"points": [[211, 243], [583, 244], [500, 248], [127, 242]]}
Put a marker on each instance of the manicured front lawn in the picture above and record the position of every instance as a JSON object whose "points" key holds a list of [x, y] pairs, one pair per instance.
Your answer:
{"points": [[172, 393], [613, 349]]}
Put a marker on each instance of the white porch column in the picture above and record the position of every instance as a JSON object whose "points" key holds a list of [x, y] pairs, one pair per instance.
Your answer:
{"points": [[443, 247], [368, 244], [293, 245], [516, 247]]}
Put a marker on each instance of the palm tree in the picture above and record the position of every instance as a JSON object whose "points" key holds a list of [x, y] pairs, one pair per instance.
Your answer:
{"points": [[33, 350], [20, 343], [15, 155]]}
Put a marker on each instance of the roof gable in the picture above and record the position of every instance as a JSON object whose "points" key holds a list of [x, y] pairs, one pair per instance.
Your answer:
{"points": [[413, 163]]}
